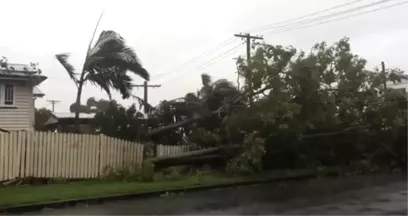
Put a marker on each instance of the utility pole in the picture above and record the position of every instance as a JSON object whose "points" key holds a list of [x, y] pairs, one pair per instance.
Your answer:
{"points": [[248, 38], [384, 76], [238, 84], [53, 102], [146, 86]]}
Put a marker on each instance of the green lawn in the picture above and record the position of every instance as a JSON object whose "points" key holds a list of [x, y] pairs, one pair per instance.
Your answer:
{"points": [[26, 194]]}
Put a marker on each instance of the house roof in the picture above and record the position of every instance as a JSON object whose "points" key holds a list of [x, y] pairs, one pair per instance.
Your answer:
{"points": [[37, 92], [64, 117], [20, 67], [22, 71]]}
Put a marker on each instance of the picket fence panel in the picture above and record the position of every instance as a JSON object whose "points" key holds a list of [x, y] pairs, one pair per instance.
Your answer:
{"points": [[167, 150], [63, 155]]}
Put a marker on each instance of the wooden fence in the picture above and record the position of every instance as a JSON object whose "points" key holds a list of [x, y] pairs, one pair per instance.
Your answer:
{"points": [[166, 150], [63, 155]]}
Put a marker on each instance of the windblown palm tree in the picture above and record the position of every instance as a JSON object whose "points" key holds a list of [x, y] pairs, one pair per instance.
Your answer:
{"points": [[106, 65]]}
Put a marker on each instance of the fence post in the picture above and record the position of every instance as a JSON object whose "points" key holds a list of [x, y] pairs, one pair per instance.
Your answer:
{"points": [[100, 143], [23, 157]]}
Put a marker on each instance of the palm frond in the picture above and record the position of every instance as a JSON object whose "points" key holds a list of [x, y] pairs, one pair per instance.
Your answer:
{"points": [[93, 35], [396, 75], [123, 83], [128, 59], [102, 80], [111, 50], [142, 103], [63, 59], [191, 97], [224, 85], [207, 88], [206, 80], [108, 42], [114, 77]]}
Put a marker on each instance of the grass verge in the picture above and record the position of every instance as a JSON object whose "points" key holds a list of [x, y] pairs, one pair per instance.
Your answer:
{"points": [[26, 194]]}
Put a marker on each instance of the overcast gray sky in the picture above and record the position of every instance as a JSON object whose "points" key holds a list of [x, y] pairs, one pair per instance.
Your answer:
{"points": [[165, 34]]}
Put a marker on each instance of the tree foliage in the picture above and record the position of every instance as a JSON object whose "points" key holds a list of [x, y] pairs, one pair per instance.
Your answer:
{"points": [[199, 106], [317, 108], [322, 108], [92, 106], [118, 121], [41, 117]]}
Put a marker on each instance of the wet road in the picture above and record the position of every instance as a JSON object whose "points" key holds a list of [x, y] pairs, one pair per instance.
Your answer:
{"points": [[362, 195]]}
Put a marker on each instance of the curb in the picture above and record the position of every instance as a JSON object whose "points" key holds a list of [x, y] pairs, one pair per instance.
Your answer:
{"points": [[100, 200]]}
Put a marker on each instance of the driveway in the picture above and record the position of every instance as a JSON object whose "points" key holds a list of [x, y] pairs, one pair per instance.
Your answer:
{"points": [[355, 195]]}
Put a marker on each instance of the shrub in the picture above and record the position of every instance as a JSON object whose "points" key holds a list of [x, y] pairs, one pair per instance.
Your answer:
{"points": [[250, 160], [129, 172], [173, 173], [147, 172]]}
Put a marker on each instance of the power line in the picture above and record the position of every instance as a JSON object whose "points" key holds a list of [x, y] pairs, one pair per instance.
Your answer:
{"points": [[212, 61], [340, 18], [301, 17], [339, 13], [218, 57], [317, 18], [299, 25], [220, 45]]}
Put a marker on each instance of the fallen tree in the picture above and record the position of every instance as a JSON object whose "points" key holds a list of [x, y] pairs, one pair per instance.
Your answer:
{"points": [[197, 116], [212, 156]]}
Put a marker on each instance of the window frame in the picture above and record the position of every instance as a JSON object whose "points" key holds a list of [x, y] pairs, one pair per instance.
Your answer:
{"points": [[3, 95]]}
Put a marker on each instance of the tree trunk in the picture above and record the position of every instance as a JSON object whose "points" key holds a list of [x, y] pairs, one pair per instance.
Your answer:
{"points": [[214, 156], [190, 161], [78, 103], [174, 125], [216, 150]]}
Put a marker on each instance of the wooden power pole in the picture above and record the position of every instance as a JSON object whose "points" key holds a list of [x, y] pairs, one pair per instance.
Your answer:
{"points": [[384, 76], [53, 102], [248, 38], [145, 98], [238, 84]]}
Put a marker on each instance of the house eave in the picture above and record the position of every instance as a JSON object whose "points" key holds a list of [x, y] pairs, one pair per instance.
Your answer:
{"points": [[35, 79]]}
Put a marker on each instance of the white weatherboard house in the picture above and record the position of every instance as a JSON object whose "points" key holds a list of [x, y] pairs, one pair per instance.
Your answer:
{"points": [[17, 94]]}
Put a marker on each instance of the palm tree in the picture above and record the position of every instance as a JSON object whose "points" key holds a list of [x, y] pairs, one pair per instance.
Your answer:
{"points": [[106, 65], [215, 94]]}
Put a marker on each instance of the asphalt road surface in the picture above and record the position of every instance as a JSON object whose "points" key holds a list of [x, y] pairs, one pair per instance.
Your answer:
{"points": [[361, 195]]}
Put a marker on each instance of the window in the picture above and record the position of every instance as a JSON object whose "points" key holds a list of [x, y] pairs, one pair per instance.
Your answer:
{"points": [[6, 94]]}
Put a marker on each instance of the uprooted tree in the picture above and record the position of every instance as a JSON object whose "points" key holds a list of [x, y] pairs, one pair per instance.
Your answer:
{"points": [[316, 108]]}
